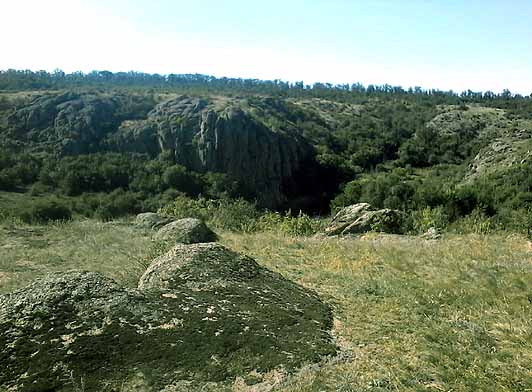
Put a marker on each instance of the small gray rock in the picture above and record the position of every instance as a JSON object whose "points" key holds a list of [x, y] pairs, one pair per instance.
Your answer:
{"points": [[431, 234], [186, 231], [151, 220]]}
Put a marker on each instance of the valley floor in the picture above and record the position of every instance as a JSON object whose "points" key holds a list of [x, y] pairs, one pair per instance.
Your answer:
{"points": [[410, 315]]}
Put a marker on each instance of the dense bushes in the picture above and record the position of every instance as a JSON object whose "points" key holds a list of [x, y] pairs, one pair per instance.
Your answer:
{"points": [[107, 172], [46, 210], [17, 170], [438, 197], [108, 185], [241, 215]]}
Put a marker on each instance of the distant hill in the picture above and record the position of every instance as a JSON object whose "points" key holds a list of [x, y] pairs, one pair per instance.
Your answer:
{"points": [[284, 145]]}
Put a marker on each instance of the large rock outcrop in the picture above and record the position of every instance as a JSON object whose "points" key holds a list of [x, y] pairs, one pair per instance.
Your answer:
{"points": [[202, 313], [254, 141], [501, 155], [71, 123], [362, 217], [226, 135]]}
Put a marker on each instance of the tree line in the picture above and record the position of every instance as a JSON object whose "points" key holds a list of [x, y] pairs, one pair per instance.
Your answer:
{"points": [[12, 79]]}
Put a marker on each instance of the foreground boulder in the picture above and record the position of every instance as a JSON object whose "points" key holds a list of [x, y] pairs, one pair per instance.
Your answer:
{"points": [[361, 218], [151, 220], [203, 313], [186, 231]]}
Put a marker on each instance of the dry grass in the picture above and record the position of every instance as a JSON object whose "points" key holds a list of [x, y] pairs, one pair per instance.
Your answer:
{"points": [[452, 315], [116, 249], [411, 315]]}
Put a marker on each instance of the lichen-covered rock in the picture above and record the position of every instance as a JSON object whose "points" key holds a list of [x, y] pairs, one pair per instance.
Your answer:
{"points": [[152, 220], [207, 265], [186, 231], [361, 218], [203, 314], [345, 217]]}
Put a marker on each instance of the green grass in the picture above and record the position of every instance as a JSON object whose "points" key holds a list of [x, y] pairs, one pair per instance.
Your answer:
{"points": [[13, 203], [117, 249], [411, 315]]}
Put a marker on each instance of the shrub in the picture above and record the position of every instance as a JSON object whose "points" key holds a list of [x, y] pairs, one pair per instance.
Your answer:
{"points": [[350, 194], [178, 177], [38, 189], [476, 222], [154, 202], [47, 210], [116, 204], [241, 215], [185, 207], [422, 220], [235, 215], [299, 225], [518, 220]]}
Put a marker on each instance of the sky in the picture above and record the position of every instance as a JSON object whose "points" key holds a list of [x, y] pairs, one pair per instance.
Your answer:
{"points": [[445, 44]]}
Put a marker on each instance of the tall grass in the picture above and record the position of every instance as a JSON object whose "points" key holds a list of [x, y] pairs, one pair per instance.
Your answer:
{"points": [[117, 249], [242, 216]]}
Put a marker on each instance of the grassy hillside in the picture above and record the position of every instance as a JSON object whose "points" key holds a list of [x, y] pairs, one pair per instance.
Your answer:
{"points": [[410, 314]]}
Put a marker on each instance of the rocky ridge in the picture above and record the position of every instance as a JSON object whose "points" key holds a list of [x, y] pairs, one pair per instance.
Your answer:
{"points": [[250, 140], [222, 135], [71, 122]]}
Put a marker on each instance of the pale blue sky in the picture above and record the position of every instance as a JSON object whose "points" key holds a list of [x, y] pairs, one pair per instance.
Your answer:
{"points": [[446, 44]]}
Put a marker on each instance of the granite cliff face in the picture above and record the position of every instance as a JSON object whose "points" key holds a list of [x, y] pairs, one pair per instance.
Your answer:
{"points": [[250, 140], [231, 136], [69, 123]]}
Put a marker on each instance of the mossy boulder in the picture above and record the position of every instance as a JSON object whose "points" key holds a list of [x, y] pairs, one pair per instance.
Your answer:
{"points": [[362, 217], [186, 231], [202, 314], [152, 220]]}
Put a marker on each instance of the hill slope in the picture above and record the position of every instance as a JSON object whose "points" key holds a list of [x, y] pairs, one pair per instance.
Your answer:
{"points": [[285, 152]]}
